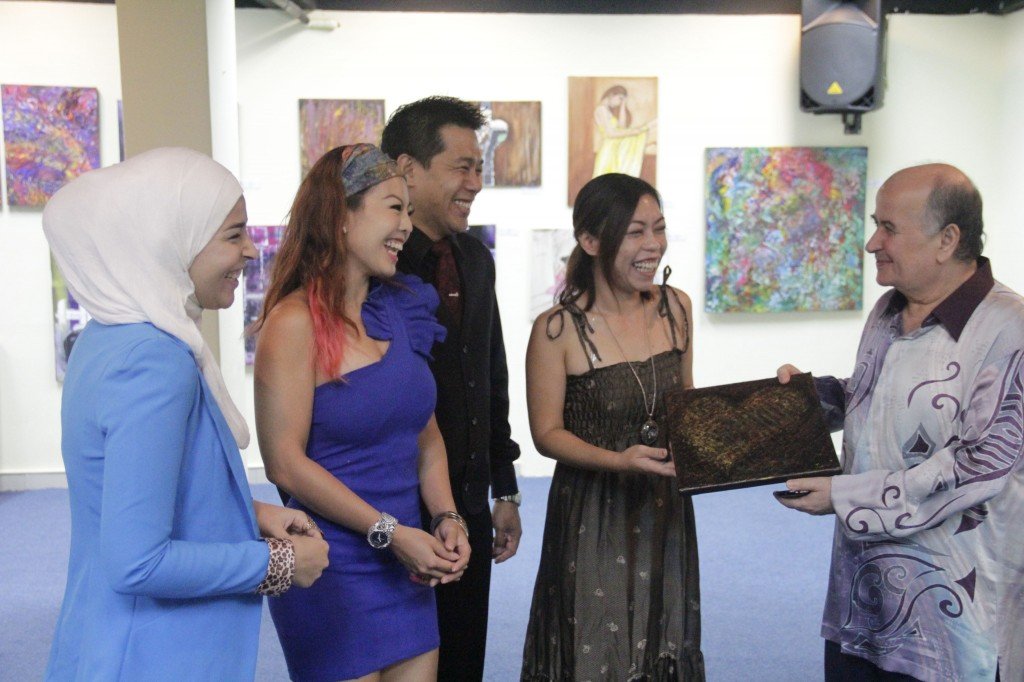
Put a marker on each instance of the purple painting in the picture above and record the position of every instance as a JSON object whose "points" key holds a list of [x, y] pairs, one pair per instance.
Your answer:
{"points": [[486, 234], [51, 136], [328, 123], [257, 277]]}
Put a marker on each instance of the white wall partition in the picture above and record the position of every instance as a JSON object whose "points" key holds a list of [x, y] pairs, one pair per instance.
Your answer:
{"points": [[722, 80]]}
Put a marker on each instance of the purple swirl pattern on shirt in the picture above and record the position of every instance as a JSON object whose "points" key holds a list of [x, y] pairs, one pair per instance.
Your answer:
{"points": [[988, 452], [886, 591], [955, 367]]}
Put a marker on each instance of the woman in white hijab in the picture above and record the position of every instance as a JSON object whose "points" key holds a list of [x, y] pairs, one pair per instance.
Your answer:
{"points": [[167, 561]]}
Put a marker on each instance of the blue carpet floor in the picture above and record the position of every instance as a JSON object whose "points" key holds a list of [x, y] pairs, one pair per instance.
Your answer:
{"points": [[763, 573]]}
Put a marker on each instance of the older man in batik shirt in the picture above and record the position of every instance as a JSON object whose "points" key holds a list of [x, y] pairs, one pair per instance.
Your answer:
{"points": [[928, 555]]}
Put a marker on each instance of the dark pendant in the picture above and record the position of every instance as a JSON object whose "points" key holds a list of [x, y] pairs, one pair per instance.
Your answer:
{"points": [[649, 432]]}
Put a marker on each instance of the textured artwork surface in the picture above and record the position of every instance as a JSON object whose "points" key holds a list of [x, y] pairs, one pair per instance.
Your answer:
{"points": [[550, 254], [51, 136], [257, 277], [785, 229], [69, 319], [749, 433], [328, 123], [613, 128], [511, 144], [486, 234]]}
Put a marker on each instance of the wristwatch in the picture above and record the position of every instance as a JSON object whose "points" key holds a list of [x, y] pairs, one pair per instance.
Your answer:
{"points": [[516, 499], [379, 535]]}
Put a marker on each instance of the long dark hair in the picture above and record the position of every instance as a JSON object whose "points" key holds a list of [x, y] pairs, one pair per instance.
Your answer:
{"points": [[604, 209], [311, 256]]}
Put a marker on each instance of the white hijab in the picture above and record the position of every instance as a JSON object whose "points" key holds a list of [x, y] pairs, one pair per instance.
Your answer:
{"points": [[125, 237]]}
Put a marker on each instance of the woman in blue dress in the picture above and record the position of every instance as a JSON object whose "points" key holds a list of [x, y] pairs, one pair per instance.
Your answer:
{"points": [[344, 415], [166, 564]]}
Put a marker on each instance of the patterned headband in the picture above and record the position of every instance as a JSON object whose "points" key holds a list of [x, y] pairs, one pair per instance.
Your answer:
{"points": [[363, 166]]}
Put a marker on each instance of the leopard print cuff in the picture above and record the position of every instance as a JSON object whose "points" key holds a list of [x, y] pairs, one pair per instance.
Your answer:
{"points": [[280, 569]]}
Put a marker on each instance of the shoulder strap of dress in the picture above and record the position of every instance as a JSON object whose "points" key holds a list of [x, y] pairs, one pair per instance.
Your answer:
{"points": [[582, 326], [665, 310]]}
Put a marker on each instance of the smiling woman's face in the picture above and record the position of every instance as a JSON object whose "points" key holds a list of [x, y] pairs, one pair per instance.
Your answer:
{"points": [[216, 271]]}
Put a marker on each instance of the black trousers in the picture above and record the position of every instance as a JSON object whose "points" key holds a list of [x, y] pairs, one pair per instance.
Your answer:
{"points": [[462, 609], [840, 667]]}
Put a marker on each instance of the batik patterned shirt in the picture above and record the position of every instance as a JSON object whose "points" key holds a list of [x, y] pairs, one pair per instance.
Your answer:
{"points": [[928, 556]]}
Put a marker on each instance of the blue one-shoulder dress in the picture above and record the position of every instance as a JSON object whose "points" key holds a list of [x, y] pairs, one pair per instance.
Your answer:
{"points": [[364, 613]]}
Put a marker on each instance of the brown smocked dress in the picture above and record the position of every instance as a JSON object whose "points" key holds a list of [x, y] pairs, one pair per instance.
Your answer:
{"points": [[617, 596]]}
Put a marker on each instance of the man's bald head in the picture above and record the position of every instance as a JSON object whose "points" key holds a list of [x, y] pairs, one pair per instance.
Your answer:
{"points": [[949, 198]]}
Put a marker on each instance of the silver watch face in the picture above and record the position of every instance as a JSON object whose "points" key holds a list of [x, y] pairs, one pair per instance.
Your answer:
{"points": [[379, 538], [379, 535]]}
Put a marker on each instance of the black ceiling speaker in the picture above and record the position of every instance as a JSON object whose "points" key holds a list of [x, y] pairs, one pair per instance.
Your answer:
{"points": [[842, 58]]}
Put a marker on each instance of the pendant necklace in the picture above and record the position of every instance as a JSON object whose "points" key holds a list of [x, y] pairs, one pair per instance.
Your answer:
{"points": [[649, 430]]}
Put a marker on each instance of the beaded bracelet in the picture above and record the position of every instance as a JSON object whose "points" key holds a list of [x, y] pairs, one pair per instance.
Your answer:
{"points": [[280, 568], [454, 516]]}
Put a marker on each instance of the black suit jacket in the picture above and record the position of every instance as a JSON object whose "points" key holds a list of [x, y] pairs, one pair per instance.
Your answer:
{"points": [[471, 374]]}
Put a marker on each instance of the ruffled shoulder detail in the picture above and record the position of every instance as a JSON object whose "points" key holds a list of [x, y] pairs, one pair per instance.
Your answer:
{"points": [[413, 303]]}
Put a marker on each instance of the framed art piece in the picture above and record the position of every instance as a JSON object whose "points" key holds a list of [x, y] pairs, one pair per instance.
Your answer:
{"points": [[785, 229], [257, 276], [511, 144], [612, 129], [746, 434], [550, 254], [328, 123], [51, 136]]}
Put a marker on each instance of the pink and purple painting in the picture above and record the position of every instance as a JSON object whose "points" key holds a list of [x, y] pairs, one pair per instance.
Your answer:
{"points": [[328, 123], [550, 254], [51, 136], [785, 229], [267, 238]]}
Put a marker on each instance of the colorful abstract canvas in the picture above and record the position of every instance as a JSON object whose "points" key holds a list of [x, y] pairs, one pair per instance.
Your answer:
{"points": [[613, 128], [785, 229], [51, 136], [551, 249], [511, 144], [328, 123], [257, 277], [69, 319]]}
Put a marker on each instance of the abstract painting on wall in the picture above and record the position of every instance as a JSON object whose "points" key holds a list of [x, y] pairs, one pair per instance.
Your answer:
{"points": [[328, 123], [267, 238], [486, 234], [550, 254], [511, 144], [612, 129], [785, 229], [69, 319], [51, 136]]}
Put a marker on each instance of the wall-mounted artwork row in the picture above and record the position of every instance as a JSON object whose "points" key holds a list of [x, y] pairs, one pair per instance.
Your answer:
{"points": [[51, 136], [612, 129], [328, 123], [785, 229], [511, 144]]}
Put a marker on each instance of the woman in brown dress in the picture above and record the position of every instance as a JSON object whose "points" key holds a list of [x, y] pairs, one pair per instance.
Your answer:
{"points": [[617, 595]]}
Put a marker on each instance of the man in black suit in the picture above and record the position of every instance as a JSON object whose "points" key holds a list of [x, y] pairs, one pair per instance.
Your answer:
{"points": [[434, 141]]}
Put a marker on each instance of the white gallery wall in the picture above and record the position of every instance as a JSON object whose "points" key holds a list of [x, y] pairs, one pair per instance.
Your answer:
{"points": [[954, 94]]}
